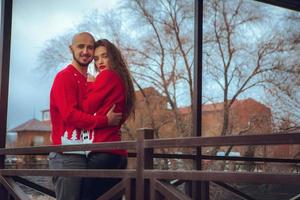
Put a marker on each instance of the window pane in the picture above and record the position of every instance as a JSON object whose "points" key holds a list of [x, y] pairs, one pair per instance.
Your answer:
{"points": [[250, 70], [251, 84], [160, 57]]}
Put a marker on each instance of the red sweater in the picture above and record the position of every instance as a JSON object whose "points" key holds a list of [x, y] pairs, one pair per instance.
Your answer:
{"points": [[107, 90], [68, 90]]}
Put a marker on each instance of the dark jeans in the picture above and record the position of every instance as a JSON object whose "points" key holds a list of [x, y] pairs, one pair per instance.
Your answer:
{"points": [[94, 187], [67, 188]]}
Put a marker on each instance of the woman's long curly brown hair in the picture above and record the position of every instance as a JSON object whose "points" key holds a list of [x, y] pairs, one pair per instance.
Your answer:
{"points": [[119, 64]]}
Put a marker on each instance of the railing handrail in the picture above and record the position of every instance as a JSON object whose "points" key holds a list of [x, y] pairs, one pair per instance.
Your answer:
{"points": [[34, 150], [196, 175], [265, 139]]}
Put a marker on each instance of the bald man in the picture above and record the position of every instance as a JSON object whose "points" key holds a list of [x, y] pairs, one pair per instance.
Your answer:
{"points": [[67, 119]]}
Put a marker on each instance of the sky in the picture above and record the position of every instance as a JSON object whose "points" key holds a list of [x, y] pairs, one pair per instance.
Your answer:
{"points": [[34, 22]]}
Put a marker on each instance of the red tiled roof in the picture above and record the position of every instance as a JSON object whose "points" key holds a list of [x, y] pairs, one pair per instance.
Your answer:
{"points": [[184, 110], [217, 106], [205, 108], [33, 125], [212, 107], [147, 91]]}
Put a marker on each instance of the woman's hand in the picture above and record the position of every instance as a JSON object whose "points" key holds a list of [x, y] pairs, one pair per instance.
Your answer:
{"points": [[113, 117]]}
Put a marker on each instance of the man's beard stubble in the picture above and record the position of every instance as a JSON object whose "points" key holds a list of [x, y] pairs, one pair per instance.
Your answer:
{"points": [[80, 63]]}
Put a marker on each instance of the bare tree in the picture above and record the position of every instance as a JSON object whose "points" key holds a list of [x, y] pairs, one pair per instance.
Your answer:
{"points": [[55, 53], [163, 54], [235, 58], [159, 52], [284, 83], [157, 40]]}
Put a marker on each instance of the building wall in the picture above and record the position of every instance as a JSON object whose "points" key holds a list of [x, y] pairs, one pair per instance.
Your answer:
{"points": [[252, 116], [27, 139], [246, 117], [150, 112], [211, 123]]}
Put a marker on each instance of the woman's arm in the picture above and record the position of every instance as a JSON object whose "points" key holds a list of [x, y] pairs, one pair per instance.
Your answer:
{"points": [[103, 86]]}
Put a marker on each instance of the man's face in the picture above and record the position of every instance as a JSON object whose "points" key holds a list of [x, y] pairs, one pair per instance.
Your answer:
{"points": [[82, 49]]}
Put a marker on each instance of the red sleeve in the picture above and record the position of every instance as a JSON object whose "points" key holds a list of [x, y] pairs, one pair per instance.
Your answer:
{"points": [[104, 84], [89, 86], [64, 95]]}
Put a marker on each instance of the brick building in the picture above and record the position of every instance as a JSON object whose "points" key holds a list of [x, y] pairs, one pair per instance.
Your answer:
{"points": [[151, 112], [246, 116], [33, 133]]}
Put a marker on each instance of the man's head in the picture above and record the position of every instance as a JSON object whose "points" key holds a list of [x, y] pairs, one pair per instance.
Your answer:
{"points": [[82, 48], [107, 56]]}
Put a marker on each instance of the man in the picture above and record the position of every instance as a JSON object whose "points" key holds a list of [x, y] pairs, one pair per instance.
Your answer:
{"points": [[67, 92]]}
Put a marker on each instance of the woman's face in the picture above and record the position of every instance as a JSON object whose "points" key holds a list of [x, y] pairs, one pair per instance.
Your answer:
{"points": [[101, 58]]}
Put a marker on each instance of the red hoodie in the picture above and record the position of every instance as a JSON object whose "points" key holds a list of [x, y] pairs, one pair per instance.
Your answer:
{"points": [[68, 90], [107, 90]]}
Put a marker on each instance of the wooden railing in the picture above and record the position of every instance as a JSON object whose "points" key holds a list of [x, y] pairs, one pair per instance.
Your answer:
{"points": [[144, 182]]}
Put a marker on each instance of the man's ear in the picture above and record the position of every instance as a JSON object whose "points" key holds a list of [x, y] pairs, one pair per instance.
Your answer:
{"points": [[70, 48]]}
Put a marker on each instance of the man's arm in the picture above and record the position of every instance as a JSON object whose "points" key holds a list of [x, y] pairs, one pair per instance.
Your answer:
{"points": [[64, 96]]}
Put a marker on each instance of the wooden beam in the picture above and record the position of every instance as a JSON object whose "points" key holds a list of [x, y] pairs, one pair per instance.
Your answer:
{"points": [[96, 173], [197, 98], [288, 4], [34, 186], [140, 165], [228, 177], [169, 191], [266, 139], [233, 158], [13, 188], [65, 148], [232, 190], [117, 191], [128, 189], [297, 197], [5, 37]]}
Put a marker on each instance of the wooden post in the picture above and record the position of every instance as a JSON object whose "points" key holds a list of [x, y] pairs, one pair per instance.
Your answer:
{"points": [[139, 183], [199, 189], [144, 160], [148, 134], [5, 35]]}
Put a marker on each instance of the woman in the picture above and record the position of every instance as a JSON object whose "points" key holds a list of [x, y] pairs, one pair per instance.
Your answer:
{"points": [[112, 86]]}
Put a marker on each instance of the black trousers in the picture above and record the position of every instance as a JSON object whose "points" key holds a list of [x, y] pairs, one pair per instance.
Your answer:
{"points": [[95, 187]]}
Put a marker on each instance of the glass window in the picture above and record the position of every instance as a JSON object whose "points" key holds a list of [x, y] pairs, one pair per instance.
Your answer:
{"points": [[250, 74], [250, 86], [38, 140]]}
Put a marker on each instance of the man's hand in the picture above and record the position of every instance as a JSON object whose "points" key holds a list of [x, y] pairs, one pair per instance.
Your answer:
{"points": [[113, 117]]}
